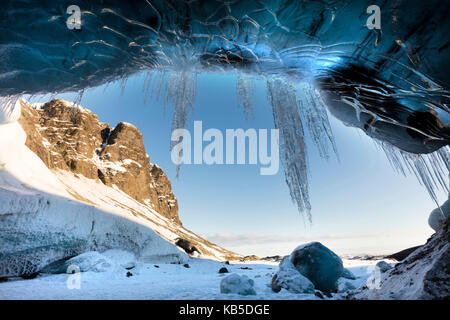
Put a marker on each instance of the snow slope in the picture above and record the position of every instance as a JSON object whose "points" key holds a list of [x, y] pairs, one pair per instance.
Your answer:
{"points": [[47, 215]]}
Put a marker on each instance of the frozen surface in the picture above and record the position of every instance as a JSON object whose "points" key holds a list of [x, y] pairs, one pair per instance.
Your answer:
{"points": [[163, 281]]}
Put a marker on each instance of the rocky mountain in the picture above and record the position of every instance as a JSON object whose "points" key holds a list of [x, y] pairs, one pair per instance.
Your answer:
{"points": [[70, 184], [71, 138]]}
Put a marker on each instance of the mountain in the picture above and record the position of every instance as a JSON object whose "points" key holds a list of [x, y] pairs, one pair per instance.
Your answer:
{"points": [[72, 184], [71, 138]]}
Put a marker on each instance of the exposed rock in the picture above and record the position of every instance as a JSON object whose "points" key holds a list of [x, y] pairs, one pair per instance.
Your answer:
{"points": [[319, 294], [186, 265], [319, 264], [401, 255], [273, 258], [30, 276], [250, 258], [289, 278], [223, 270], [71, 138], [186, 245], [424, 274], [276, 287], [238, 285]]}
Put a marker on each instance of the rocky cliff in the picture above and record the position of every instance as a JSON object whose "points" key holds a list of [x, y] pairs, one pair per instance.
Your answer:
{"points": [[424, 274], [71, 138]]}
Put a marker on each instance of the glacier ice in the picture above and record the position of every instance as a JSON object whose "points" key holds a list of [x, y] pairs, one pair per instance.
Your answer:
{"points": [[390, 83], [439, 215], [236, 284], [383, 266], [289, 278], [319, 264]]}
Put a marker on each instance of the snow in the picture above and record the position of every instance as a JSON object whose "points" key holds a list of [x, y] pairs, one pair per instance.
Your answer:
{"points": [[290, 279], [166, 281], [236, 284]]}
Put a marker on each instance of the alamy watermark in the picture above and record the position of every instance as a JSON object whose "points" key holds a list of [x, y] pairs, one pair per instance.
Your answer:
{"points": [[186, 150], [74, 280], [74, 20], [374, 20]]}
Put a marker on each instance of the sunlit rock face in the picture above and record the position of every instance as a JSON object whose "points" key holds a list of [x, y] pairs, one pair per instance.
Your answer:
{"points": [[74, 140], [390, 82]]}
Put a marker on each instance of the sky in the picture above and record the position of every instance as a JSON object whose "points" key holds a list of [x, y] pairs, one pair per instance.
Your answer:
{"points": [[360, 204]]}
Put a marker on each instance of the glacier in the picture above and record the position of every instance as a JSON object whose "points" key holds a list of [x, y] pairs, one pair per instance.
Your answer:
{"points": [[316, 57]]}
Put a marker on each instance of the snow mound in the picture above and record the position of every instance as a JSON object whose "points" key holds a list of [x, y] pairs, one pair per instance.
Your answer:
{"points": [[91, 261], [237, 284], [290, 279]]}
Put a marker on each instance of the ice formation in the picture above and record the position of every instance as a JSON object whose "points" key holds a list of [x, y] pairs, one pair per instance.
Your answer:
{"points": [[390, 82]]}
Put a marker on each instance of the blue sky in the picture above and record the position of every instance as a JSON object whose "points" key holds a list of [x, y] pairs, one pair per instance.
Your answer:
{"points": [[359, 205]]}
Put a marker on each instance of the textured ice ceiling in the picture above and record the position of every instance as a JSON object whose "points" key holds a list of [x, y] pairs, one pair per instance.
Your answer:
{"points": [[391, 83]]}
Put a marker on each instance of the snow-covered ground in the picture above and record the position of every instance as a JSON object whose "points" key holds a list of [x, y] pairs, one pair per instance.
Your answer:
{"points": [[162, 281]]}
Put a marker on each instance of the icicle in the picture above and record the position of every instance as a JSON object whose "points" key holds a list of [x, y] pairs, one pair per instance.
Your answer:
{"points": [[123, 85], [314, 114], [286, 116], [430, 169], [147, 82], [244, 90], [181, 93], [77, 101], [9, 109]]}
